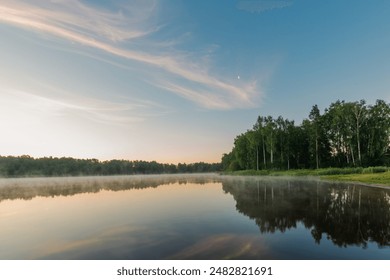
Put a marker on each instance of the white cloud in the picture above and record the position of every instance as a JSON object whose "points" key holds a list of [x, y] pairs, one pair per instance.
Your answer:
{"points": [[111, 31], [33, 108], [74, 16]]}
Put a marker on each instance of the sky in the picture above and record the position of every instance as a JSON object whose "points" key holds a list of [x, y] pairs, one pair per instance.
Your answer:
{"points": [[175, 80]]}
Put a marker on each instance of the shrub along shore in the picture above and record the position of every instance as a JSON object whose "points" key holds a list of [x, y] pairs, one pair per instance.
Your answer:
{"points": [[378, 175]]}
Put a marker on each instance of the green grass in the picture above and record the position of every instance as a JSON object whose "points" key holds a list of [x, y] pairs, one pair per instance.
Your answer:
{"points": [[370, 175], [292, 172], [369, 178]]}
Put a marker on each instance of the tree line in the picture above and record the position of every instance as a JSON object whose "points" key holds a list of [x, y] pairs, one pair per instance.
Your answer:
{"points": [[346, 134], [11, 166]]}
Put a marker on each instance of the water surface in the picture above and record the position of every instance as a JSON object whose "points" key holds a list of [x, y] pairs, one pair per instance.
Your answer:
{"points": [[192, 217]]}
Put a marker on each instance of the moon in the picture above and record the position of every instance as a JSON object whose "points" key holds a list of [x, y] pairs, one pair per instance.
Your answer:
{"points": [[238, 77]]}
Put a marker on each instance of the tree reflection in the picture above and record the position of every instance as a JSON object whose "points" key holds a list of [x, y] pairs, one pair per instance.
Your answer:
{"points": [[28, 188], [346, 214]]}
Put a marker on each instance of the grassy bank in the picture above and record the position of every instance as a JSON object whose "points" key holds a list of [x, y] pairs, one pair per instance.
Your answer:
{"points": [[373, 178], [370, 175]]}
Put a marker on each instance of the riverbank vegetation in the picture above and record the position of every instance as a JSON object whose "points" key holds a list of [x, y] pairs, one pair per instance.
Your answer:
{"points": [[377, 179], [26, 166], [370, 175]]}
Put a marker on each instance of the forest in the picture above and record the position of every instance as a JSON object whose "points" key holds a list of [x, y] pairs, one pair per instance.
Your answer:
{"points": [[346, 134], [24, 166]]}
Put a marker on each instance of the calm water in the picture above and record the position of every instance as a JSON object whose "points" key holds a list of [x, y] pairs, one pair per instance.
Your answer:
{"points": [[192, 217]]}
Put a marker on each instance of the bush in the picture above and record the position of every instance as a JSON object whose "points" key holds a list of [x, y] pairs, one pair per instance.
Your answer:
{"points": [[375, 169], [340, 171]]}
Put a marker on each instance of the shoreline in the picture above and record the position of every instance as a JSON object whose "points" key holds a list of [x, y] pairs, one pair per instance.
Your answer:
{"points": [[377, 179]]}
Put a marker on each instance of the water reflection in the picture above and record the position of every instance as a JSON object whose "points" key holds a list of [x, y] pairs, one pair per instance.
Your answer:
{"points": [[347, 214], [192, 217], [28, 188]]}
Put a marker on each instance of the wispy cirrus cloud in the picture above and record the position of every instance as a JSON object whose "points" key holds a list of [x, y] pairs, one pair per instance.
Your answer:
{"points": [[96, 110], [201, 96], [72, 16], [258, 6], [126, 33]]}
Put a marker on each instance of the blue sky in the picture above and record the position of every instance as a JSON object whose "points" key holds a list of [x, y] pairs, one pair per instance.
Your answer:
{"points": [[176, 81]]}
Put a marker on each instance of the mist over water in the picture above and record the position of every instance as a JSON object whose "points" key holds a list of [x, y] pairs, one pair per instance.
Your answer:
{"points": [[192, 217]]}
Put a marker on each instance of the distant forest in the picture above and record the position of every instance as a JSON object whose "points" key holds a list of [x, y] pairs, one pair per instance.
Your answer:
{"points": [[346, 134], [24, 166]]}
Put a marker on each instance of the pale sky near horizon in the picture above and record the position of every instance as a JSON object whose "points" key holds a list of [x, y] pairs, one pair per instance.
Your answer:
{"points": [[176, 81]]}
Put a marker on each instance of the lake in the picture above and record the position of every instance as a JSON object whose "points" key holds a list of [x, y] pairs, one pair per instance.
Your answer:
{"points": [[192, 217]]}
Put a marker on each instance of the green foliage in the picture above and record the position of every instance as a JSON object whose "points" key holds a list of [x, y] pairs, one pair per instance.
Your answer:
{"points": [[370, 178], [249, 172], [313, 172], [24, 166], [375, 169], [348, 136], [338, 171]]}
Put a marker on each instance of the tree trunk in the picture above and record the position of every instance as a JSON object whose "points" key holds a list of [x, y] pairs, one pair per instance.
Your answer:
{"points": [[272, 152], [352, 155], [358, 143], [265, 160], [317, 164]]}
